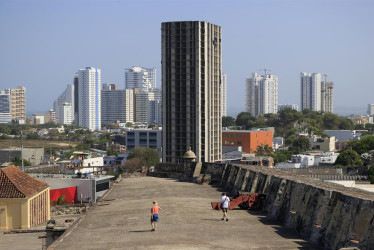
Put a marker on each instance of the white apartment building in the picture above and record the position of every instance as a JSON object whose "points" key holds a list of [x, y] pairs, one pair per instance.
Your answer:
{"points": [[63, 106], [316, 95], [18, 103], [140, 78], [262, 94], [66, 114], [38, 119], [224, 95], [371, 109], [89, 100], [129, 105]]}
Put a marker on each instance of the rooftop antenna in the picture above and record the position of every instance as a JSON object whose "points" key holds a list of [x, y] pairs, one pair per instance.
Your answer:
{"points": [[265, 70]]}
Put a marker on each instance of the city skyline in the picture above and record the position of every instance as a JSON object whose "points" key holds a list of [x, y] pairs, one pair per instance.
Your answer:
{"points": [[50, 46]]}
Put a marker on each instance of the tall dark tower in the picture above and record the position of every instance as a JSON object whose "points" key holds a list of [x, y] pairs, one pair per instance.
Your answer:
{"points": [[191, 90], [76, 100]]}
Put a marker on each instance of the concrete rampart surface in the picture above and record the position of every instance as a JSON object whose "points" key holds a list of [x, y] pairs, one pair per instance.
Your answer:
{"points": [[324, 213], [187, 221]]}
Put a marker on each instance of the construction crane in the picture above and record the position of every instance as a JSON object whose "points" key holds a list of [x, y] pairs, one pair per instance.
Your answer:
{"points": [[324, 89]]}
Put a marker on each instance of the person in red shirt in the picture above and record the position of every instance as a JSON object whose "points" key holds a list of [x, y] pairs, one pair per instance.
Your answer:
{"points": [[154, 218]]}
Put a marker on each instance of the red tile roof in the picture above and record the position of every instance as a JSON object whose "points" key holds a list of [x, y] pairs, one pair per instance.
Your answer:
{"points": [[14, 183]]}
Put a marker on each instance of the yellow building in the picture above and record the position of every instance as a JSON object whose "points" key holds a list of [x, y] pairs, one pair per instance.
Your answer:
{"points": [[24, 201]]}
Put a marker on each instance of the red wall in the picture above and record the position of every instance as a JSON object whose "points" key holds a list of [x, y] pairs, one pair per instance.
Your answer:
{"points": [[249, 140], [70, 194]]}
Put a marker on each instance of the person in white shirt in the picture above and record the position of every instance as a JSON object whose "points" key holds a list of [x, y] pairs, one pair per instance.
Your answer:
{"points": [[225, 201]]}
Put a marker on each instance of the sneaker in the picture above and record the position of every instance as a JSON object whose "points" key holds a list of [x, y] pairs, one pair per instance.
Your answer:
{"points": [[227, 219], [223, 218], [153, 229]]}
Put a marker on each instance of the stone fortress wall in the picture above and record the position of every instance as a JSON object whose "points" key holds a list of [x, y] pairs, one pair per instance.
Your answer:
{"points": [[325, 213]]}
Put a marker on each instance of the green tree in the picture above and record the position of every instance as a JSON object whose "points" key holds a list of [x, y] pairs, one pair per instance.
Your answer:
{"points": [[129, 124], [245, 119], [112, 152], [264, 150], [17, 161], [4, 137], [33, 136], [5, 129], [330, 121], [148, 156], [349, 157], [228, 121], [371, 174], [364, 145], [132, 165], [281, 156], [298, 143], [346, 124]]}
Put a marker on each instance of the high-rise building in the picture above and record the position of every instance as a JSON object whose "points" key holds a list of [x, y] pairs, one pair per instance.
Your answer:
{"points": [[112, 104], [63, 106], [5, 115], [310, 91], [13, 101], [89, 98], [143, 106], [18, 103], [316, 95], [262, 94], [371, 109], [140, 78], [156, 107], [327, 104], [191, 90], [224, 95], [76, 100], [129, 105]]}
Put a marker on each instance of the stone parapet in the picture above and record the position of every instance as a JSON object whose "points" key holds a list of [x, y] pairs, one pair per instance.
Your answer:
{"points": [[325, 213]]}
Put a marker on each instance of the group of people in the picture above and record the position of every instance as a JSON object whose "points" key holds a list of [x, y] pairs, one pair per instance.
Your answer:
{"points": [[225, 202]]}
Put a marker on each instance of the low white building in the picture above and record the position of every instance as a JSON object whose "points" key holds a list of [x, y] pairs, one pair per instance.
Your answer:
{"points": [[85, 163], [309, 160], [278, 142], [344, 135]]}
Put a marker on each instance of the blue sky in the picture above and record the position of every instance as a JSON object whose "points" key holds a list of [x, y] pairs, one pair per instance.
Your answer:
{"points": [[43, 43]]}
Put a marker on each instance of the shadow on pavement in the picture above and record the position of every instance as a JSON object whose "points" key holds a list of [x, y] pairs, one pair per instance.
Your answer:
{"points": [[213, 219], [283, 231], [140, 231]]}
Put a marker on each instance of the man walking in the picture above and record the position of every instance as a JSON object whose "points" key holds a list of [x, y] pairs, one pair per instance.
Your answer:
{"points": [[225, 201]]}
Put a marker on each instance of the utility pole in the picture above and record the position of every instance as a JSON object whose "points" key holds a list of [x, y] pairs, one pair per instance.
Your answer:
{"points": [[22, 166]]}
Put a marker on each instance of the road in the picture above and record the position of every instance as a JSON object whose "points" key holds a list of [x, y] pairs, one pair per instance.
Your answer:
{"points": [[187, 221]]}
